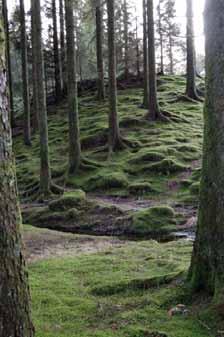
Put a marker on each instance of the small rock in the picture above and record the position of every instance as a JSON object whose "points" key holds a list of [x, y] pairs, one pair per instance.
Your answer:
{"points": [[179, 309]]}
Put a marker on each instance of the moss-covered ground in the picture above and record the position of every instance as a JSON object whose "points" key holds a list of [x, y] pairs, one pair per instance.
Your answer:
{"points": [[162, 166], [105, 287], [125, 290]]}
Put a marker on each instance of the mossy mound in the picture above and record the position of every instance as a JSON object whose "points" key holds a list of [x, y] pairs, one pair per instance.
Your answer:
{"points": [[145, 155], [68, 200], [105, 180], [166, 167], [138, 189], [155, 220]]}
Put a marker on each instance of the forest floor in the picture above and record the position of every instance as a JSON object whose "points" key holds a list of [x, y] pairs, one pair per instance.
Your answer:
{"points": [[114, 261]]}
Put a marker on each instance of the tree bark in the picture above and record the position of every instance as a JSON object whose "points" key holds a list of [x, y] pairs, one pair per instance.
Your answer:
{"points": [[114, 132], [45, 172], [57, 66], [145, 57], [25, 76], [191, 90], [8, 62], [15, 317], [99, 49], [74, 136], [126, 49], [153, 112], [207, 266], [160, 40], [63, 47]]}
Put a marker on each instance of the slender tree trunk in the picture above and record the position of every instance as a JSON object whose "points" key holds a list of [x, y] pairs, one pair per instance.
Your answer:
{"points": [[45, 172], [15, 316], [153, 112], [34, 72], [99, 49], [137, 51], [74, 137], [207, 266], [171, 53], [63, 47], [8, 60], [126, 49], [57, 66], [145, 57], [114, 132], [161, 41], [25, 76], [191, 90]]}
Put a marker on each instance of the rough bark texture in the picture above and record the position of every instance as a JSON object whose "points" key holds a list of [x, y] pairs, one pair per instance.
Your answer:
{"points": [[15, 318], [8, 61], [57, 66], [74, 137], [153, 113], [99, 49], [207, 267], [63, 47], [145, 57], [25, 76], [114, 133], [191, 90], [45, 172]]}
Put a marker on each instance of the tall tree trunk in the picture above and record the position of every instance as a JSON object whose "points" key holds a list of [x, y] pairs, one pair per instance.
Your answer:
{"points": [[34, 73], [153, 112], [137, 51], [74, 137], [45, 172], [57, 66], [145, 57], [160, 40], [25, 76], [8, 60], [171, 52], [63, 47], [207, 266], [15, 317], [191, 90], [99, 49], [114, 132], [126, 49]]}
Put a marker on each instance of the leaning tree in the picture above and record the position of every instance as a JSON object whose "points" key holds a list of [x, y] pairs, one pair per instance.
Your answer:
{"points": [[15, 318], [207, 266]]}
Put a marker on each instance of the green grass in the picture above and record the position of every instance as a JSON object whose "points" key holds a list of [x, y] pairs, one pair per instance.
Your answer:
{"points": [[114, 293]]}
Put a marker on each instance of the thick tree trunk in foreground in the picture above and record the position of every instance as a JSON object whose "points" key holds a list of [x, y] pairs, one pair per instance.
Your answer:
{"points": [[8, 60], [62, 43], [25, 76], [57, 66], [45, 172], [74, 137], [191, 90], [153, 113], [15, 317], [99, 50], [145, 57], [207, 267], [114, 132]]}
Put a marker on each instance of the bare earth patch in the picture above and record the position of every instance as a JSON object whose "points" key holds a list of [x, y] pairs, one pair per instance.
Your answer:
{"points": [[45, 244]]}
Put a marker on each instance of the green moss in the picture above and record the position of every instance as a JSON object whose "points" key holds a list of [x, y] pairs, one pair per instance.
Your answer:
{"points": [[105, 180], [67, 201], [154, 220], [166, 166], [141, 188]]}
